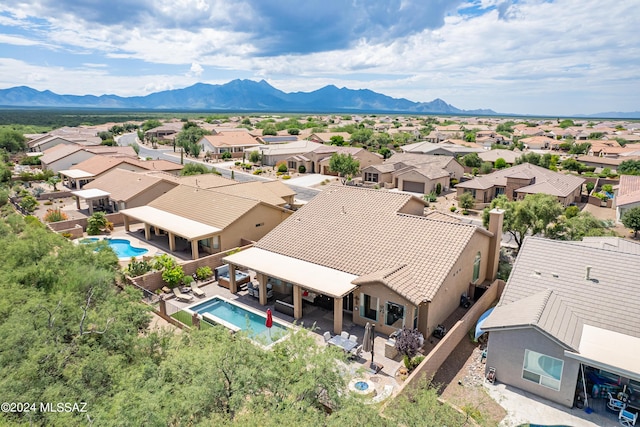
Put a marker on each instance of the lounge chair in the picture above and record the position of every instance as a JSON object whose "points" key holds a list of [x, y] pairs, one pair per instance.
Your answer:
{"points": [[180, 296], [197, 291], [327, 336], [627, 418]]}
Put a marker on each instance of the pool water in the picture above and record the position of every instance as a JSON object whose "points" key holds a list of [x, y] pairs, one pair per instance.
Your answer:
{"points": [[252, 323], [361, 385], [121, 247]]}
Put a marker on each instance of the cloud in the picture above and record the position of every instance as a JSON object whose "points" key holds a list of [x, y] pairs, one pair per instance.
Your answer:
{"points": [[195, 70]]}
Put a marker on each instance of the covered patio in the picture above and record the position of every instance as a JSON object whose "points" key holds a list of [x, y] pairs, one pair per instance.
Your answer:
{"points": [[173, 225], [75, 178], [302, 275], [96, 199]]}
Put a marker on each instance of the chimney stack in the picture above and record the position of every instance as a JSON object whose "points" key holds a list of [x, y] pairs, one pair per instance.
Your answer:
{"points": [[496, 219], [588, 275]]}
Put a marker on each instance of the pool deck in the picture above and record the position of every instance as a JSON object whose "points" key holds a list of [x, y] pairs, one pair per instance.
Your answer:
{"points": [[317, 320]]}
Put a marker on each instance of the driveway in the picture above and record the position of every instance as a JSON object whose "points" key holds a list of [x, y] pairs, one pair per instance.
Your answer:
{"points": [[310, 180]]}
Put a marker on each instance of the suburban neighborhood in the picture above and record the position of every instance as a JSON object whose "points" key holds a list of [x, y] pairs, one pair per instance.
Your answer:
{"points": [[495, 257]]}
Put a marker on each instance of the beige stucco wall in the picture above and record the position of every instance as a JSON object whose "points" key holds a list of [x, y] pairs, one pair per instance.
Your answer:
{"points": [[455, 169], [150, 194], [457, 281], [383, 294], [245, 226], [506, 354]]}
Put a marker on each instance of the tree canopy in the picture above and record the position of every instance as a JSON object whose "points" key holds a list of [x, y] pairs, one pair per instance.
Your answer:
{"points": [[344, 165], [631, 219]]}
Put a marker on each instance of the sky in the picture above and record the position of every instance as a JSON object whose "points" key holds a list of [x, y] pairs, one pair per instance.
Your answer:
{"points": [[551, 57]]}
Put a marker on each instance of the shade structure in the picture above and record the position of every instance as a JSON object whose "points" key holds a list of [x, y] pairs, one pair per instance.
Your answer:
{"points": [[269, 322], [481, 320]]}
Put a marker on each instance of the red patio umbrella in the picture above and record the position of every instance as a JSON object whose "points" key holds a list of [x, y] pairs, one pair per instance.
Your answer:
{"points": [[269, 322]]}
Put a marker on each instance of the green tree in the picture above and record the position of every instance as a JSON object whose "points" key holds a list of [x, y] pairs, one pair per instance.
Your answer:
{"points": [[12, 141], [293, 131], [337, 140], [173, 276], [566, 123], [270, 130], [500, 163], [344, 165], [196, 169], [486, 168], [385, 152], [572, 165], [629, 167], [533, 158], [361, 136], [531, 216], [96, 223], [466, 201], [150, 124], [631, 219], [29, 203], [254, 156], [226, 155], [472, 160]]}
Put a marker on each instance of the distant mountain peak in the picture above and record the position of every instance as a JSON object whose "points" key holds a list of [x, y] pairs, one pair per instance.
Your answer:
{"points": [[236, 95]]}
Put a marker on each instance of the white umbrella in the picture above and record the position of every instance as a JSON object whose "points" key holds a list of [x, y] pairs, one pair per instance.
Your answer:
{"points": [[367, 341]]}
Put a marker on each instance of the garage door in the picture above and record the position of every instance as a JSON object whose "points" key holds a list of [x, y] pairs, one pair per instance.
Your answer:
{"points": [[413, 186]]}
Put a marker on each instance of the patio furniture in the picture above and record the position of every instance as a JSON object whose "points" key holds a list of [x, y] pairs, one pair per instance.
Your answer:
{"points": [[627, 418], [197, 291], [355, 352], [344, 334], [615, 404], [284, 306], [327, 336], [182, 297], [254, 290], [353, 338], [342, 342]]}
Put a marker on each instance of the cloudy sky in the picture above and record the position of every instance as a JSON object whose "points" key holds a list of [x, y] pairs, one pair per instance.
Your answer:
{"points": [[553, 57]]}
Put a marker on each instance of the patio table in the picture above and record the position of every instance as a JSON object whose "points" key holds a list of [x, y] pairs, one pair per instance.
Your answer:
{"points": [[342, 342]]}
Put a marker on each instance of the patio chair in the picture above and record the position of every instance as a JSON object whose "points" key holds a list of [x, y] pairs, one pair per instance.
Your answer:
{"points": [[345, 335], [353, 338], [615, 404], [627, 418], [197, 291], [327, 336], [355, 352], [180, 296]]}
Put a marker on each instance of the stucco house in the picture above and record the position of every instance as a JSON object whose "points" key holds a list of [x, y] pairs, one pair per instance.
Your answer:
{"points": [[417, 173], [197, 220], [441, 149], [66, 156], [373, 255], [627, 195], [274, 153], [234, 141], [518, 181], [568, 314]]}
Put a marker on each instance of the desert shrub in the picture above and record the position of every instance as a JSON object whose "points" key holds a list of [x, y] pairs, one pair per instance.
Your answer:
{"points": [[237, 163], [258, 171], [203, 273], [173, 276], [453, 209], [590, 186], [138, 268], [163, 262], [187, 280], [29, 203], [226, 155], [55, 215], [286, 177], [408, 341], [302, 169], [607, 188], [282, 167], [438, 189], [571, 211]]}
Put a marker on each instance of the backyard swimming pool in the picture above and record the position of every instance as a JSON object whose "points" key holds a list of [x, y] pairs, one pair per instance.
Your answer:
{"points": [[235, 317], [122, 247]]}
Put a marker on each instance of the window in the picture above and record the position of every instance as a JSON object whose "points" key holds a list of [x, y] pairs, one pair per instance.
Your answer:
{"points": [[369, 307], [216, 242], [204, 243], [476, 267], [370, 177], [499, 191], [542, 369], [395, 315], [292, 165]]}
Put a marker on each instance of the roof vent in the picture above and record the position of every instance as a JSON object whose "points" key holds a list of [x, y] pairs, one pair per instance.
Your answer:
{"points": [[588, 274], [556, 275], [537, 272], [343, 211]]}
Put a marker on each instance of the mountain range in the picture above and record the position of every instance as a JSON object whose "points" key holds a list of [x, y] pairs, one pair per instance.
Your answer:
{"points": [[237, 95]]}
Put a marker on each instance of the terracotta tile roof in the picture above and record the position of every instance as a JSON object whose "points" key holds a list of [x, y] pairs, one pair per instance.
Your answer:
{"points": [[204, 206], [229, 138], [364, 232], [207, 180], [608, 299], [628, 190], [99, 164], [253, 190], [123, 184]]}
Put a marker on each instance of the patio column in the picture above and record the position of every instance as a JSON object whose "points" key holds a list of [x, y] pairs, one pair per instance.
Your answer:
{"points": [[233, 286], [337, 315], [126, 222], [78, 202], [262, 287], [172, 241], [297, 302], [194, 249], [147, 231]]}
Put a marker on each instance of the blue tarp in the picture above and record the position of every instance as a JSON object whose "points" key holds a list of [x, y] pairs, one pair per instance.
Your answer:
{"points": [[481, 320]]}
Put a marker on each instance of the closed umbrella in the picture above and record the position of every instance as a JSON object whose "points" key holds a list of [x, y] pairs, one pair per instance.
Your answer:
{"points": [[367, 341], [269, 322]]}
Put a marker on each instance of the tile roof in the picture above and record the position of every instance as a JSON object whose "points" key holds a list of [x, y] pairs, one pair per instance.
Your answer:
{"points": [[206, 180], [229, 138], [296, 147], [608, 299], [612, 244], [364, 232], [102, 163], [123, 184], [546, 181], [628, 190], [509, 156], [204, 206], [58, 152]]}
